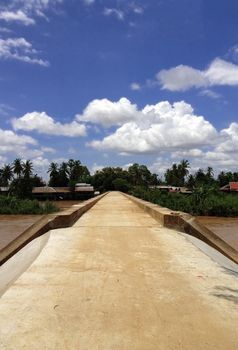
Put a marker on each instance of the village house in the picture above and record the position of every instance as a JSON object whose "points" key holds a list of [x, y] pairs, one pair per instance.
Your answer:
{"points": [[81, 191], [231, 187]]}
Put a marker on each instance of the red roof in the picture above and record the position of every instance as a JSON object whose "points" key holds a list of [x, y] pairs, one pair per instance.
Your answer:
{"points": [[233, 186]]}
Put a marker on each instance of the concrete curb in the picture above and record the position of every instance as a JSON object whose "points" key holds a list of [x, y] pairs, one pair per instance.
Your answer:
{"points": [[186, 223], [49, 222]]}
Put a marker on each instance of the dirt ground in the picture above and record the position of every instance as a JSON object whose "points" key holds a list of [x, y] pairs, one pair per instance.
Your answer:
{"points": [[118, 280]]}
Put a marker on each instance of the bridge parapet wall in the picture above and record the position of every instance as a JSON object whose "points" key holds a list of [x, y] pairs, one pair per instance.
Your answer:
{"points": [[186, 223], [49, 222]]}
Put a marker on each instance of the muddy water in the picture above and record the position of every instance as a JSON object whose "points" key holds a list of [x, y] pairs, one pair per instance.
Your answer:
{"points": [[11, 226], [65, 204], [226, 228]]}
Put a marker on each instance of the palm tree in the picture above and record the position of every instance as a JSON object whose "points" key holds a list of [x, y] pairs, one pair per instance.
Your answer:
{"points": [[184, 167], [27, 169], [54, 174], [17, 167], [64, 168], [6, 175], [53, 168], [63, 174], [75, 169], [183, 171], [210, 172]]}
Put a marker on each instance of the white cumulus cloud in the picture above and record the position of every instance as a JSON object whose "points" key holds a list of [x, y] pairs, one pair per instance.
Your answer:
{"points": [[230, 139], [156, 128], [182, 77], [12, 143], [108, 113], [44, 124]]}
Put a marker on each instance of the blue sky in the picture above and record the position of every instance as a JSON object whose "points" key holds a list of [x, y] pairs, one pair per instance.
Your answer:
{"points": [[112, 82]]}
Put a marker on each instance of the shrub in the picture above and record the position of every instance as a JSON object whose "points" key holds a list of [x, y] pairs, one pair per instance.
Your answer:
{"points": [[121, 185], [204, 201], [13, 205]]}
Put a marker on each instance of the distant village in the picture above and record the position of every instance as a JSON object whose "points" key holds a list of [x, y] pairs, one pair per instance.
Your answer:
{"points": [[72, 180]]}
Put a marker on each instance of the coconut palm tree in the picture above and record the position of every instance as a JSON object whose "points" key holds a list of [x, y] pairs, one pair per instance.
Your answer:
{"points": [[6, 175], [27, 169], [17, 167], [53, 168], [63, 174], [54, 174]]}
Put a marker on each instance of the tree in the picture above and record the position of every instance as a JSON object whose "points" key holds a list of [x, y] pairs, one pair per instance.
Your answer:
{"points": [[204, 177], [190, 181], [183, 169], [17, 167], [63, 179], [200, 177], [225, 177], [176, 175], [134, 173], [6, 175], [140, 175], [54, 174], [103, 179], [210, 176], [121, 185], [37, 181], [77, 171], [27, 169]]}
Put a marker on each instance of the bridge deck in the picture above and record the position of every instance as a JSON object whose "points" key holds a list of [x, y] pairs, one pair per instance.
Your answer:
{"points": [[117, 280]]}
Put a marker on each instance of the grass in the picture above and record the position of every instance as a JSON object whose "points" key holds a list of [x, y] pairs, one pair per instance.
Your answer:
{"points": [[14, 206], [201, 202]]}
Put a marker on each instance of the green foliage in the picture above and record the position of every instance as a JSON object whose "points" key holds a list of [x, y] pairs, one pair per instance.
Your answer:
{"points": [[103, 179], [121, 185], [21, 187], [224, 178], [6, 175], [67, 173], [204, 201], [137, 175], [15, 206], [176, 175]]}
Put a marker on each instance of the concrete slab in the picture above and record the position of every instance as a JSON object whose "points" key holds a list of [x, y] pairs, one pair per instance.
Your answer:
{"points": [[120, 287]]}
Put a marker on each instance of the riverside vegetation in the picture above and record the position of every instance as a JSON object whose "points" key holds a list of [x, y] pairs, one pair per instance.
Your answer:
{"points": [[16, 206], [206, 198], [203, 201]]}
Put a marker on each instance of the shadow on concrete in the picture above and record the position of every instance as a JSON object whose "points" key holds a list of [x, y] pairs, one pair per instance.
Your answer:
{"points": [[226, 293], [230, 272]]}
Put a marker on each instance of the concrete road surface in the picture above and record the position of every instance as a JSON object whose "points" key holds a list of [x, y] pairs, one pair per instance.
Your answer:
{"points": [[117, 280]]}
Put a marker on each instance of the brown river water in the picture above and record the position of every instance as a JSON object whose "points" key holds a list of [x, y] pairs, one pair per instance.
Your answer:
{"points": [[226, 228], [12, 226]]}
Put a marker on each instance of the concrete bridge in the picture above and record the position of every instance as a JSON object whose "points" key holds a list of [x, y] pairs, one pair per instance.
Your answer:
{"points": [[118, 279]]}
